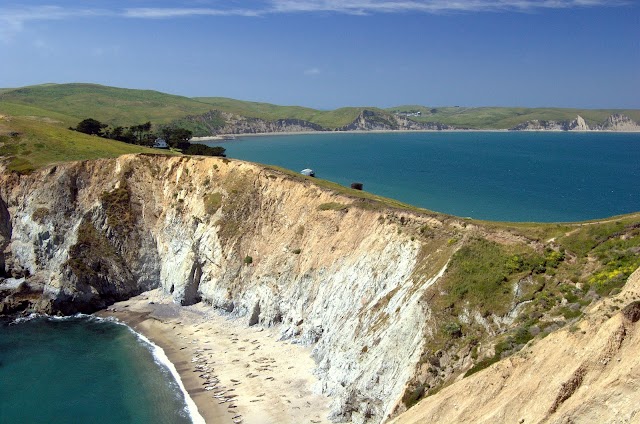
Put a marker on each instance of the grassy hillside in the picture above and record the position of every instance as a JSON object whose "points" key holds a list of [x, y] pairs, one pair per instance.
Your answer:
{"points": [[116, 106], [34, 112], [508, 117], [70, 103], [328, 119], [27, 143], [503, 289]]}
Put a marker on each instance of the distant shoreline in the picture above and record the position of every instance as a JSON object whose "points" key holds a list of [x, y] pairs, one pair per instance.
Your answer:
{"points": [[231, 137]]}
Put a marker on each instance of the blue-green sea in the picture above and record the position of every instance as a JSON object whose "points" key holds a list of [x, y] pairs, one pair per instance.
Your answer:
{"points": [[504, 176], [83, 370]]}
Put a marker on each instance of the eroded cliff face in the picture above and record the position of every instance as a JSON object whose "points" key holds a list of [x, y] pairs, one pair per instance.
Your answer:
{"points": [[577, 124], [588, 373], [218, 122], [371, 120], [262, 245], [618, 122], [615, 122]]}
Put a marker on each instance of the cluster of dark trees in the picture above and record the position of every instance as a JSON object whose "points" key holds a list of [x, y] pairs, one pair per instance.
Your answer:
{"points": [[177, 138]]}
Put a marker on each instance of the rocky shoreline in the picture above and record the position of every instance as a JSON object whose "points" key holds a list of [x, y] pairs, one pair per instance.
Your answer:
{"points": [[209, 126]]}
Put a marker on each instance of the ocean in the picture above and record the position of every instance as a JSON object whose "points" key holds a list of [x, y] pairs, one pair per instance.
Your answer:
{"points": [[502, 176], [84, 370]]}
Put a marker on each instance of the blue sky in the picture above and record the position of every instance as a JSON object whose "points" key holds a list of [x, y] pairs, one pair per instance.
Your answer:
{"points": [[330, 53]]}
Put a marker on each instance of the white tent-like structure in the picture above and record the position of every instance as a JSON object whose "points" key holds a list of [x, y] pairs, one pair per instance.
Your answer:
{"points": [[308, 172]]}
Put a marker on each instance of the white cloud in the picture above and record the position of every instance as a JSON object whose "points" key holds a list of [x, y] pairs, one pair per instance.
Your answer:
{"points": [[430, 6], [13, 19], [312, 71], [157, 13]]}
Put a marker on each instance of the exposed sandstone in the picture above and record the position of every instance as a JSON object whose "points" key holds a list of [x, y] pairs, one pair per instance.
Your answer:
{"points": [[584, 374], [615, 122]]}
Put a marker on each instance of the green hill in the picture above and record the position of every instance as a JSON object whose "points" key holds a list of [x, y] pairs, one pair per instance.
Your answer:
{"points": [[28, 142], [116, 106], [70, 103], [327, 118], [507, 117]]}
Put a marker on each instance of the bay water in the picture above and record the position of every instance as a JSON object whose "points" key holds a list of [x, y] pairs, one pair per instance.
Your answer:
{"points": [[83, 370], [500, 176]]}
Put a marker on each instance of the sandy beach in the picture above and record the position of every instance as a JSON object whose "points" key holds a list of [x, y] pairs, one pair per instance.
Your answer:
{"points": [[232, 137], [233, 373]]}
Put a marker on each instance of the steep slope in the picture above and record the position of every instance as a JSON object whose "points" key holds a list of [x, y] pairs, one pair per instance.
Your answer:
{"points": [[588, 373], [615, 122], [618, 122], [506, 117], [219, 122], [270, 112], [395, 301]]}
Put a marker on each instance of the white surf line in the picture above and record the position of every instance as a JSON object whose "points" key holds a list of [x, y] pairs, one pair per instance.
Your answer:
{"points": [[161, 357], [157, 352]]}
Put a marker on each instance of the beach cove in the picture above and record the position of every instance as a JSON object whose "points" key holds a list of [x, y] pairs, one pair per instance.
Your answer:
{"points": [[233, 374]]}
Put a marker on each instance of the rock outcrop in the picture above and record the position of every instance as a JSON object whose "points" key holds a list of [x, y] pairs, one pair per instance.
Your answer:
{"points": [[217, 122], [615, 122], [577, 124], [618, 122], [370, 120]]}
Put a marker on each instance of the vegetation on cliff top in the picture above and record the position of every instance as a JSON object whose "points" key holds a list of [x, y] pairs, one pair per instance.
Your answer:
{"points": [[507, 117], [498, 295], [28, 143], [269, 112]]}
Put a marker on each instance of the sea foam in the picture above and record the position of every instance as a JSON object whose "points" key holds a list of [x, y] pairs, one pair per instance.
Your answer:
{"points": [[161, 358]]}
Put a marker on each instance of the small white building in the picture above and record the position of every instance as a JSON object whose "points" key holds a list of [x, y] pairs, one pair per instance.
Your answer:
{"points": [[160, 143], [308, 172]]}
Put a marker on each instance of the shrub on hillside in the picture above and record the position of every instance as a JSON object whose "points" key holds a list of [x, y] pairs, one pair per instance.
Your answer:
{"points": [[201, 149]]}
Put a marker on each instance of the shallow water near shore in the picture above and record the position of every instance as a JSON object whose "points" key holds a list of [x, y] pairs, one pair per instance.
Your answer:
{"points": [[83, 370], [499, 176]]}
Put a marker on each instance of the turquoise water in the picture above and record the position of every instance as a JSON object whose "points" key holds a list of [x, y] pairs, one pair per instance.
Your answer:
{"points": [[505, 176], [83, 370]]}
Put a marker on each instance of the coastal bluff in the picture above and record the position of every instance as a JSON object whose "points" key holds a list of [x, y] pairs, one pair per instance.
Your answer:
{"points": [[260, 245], [359, 279]]}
